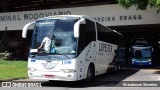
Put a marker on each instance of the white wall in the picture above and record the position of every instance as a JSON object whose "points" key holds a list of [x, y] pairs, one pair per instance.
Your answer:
{"points": [[109, 15]]}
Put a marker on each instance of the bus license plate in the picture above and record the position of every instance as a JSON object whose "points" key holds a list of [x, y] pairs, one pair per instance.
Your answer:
{"points": [[49, 76]]}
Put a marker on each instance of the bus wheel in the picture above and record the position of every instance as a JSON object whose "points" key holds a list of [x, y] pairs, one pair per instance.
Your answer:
{"points": [[90, 73], [117, 67]]}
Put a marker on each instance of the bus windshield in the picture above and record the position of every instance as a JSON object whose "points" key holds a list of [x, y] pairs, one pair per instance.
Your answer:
{"points": [[142, 53], [54, 36]]}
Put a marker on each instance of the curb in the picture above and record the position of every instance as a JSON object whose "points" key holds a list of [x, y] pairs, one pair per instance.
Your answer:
{"points": [[6, 80]]}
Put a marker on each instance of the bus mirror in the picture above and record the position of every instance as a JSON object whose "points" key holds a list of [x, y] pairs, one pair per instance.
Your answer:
{"points": [[25, 29], [76, 27]]}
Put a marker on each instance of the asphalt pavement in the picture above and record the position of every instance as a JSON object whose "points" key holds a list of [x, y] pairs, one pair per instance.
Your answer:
{"points": [[130, 78]]}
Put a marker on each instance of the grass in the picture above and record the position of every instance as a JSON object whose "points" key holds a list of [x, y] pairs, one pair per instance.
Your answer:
{"points": [[13, 69]]}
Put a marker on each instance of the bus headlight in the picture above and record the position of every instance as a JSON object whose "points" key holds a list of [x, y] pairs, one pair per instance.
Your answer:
{"points": [[68, 70], [149, 60], [32, 69]]}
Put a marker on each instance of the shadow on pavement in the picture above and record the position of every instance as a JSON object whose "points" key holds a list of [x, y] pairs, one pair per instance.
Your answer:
{"points": [[157, 72], [146, 67]]}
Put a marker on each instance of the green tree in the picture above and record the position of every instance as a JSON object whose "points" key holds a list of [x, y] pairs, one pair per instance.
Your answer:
{"points": [[140, 4]]}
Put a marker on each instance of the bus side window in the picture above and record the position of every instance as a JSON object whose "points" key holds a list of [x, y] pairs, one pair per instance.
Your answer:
{"points": [[82, 41], [87, 34]]}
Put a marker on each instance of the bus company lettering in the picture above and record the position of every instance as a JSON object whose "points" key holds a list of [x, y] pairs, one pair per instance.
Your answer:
{"points": [[105, 47]]}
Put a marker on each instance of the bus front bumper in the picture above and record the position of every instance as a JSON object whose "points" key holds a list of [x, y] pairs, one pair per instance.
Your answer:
{"points": [[147, 63], [59, 76]]}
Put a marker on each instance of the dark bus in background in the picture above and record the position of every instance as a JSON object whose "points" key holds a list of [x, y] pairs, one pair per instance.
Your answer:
{"points": [[141, 51]]}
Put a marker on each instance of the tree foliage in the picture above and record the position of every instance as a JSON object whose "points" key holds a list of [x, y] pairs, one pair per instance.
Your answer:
{"points": [[140, 4]]}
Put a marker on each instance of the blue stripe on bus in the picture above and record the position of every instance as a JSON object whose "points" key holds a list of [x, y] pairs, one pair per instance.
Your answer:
{"points": [[33, 60]]}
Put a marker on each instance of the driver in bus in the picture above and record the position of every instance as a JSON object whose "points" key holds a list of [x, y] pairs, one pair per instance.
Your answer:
{"points": [[46, 43]]}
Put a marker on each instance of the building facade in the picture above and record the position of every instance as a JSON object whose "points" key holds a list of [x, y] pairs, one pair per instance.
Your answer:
{"points": [[130, 22]]}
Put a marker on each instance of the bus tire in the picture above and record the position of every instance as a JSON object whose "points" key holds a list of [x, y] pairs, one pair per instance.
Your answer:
{"points": [[117, 67], [90, 73]]}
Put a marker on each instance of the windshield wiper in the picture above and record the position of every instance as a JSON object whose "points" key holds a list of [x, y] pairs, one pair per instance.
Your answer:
{"points": [[39, 54], [64, 55]]}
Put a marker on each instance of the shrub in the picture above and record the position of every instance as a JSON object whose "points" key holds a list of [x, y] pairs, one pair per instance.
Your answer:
{"points": [[5, 55]]}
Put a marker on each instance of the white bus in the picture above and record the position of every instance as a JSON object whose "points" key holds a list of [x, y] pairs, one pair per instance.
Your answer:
{"points": [[81, 49]]}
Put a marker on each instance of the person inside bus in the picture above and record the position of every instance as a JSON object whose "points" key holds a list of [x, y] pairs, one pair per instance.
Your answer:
{"points": [[46, 42]]}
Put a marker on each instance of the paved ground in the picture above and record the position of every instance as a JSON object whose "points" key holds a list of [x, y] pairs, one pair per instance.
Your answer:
{"points": [[129, 76]]}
